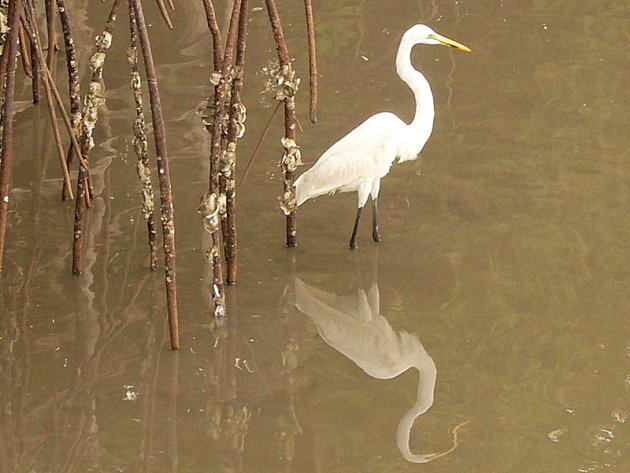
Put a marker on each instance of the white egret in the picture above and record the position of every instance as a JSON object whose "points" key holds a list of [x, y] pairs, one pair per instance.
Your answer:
{"points": [[359, 160]]}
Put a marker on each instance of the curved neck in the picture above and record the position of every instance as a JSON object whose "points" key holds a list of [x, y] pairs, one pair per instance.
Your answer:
{"points": [[425, 110], [426, 386]]}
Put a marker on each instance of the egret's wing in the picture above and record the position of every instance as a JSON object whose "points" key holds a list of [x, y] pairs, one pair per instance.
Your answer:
{"points": [[366, 152]]}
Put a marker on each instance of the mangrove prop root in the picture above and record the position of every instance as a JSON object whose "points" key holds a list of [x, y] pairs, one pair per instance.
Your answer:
{"points": [[57, 134], [312, 59], [51, 33], [53, 96], [31, 26], [140, 144], [94, 99], [213, 26], [287, 87], [35, 72], [73, 85], [236, 129], [164, 13], [24, 53], [4, 37], [213, 203], [9, 54], [166, 197]]}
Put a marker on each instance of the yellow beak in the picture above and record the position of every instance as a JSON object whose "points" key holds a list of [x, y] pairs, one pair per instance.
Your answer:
{"points": [[449, 42]]}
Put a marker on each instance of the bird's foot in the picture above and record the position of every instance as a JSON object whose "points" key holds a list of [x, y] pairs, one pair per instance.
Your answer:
{"points": [[353, 245], [376, 236]]}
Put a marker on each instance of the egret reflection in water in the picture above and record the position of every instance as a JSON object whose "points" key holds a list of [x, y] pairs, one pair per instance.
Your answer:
{"points": [[354, 326]]}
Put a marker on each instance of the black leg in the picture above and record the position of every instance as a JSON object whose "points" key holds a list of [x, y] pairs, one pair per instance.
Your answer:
{"points": [[376, 236], [353, 243]]}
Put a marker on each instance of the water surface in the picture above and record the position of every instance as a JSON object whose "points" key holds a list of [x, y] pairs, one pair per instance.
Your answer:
{"points": [[498, 296]]}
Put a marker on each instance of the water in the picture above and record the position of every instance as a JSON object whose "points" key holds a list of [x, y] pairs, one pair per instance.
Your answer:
{"points": [[498, 296]]}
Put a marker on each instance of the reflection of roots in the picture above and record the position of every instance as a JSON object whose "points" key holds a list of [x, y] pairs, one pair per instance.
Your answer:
{"points": [[454, 434]]}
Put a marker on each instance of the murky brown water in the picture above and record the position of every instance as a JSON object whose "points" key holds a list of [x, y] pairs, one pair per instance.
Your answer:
{"points": [[500, 294]]}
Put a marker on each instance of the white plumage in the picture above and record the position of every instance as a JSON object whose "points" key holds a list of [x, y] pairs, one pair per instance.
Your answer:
{"points": [[354, 160], [359, 160]]}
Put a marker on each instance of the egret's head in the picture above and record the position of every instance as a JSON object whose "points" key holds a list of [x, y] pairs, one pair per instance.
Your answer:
{"points": [[422, 34]]}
